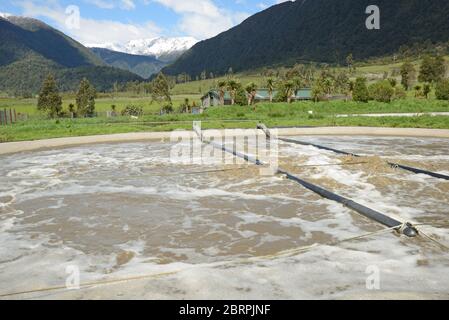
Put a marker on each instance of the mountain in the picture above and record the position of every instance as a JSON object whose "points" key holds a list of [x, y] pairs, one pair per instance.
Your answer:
{"points": [[317, 30], [19, 36], [144, 66], [164, 49], [30, 50]]}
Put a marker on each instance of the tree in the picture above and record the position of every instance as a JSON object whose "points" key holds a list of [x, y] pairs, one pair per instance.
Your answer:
{"points": [[49, 99], [350, 62], [328, 85], [360, 92], [408, 74], [426, 90], [399, 93], [289, 87], [440, 68], [251, 90], [185, 107], [233, 86], [85, 99], [382, 91], [317, 90], [131, 110], [442, 90], [432, 69], [342, 82], [270, 86], [222, 90], [418, 91], [240, 96], [72, 110], [160, 92], [327, 81], [167, 108]]}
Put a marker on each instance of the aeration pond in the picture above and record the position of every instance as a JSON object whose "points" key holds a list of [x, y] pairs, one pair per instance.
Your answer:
{"points": [[129, 219]]}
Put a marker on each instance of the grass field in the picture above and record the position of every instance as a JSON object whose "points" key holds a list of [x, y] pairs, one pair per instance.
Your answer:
{"points": [[278, 114], [195, 89], [102, 104]]}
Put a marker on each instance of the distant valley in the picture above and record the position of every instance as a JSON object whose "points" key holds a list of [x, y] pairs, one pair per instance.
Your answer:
{"points": [[143, 57]]}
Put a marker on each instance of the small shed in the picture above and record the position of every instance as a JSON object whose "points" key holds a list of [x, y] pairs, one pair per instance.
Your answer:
{"points": [[212, 99]]}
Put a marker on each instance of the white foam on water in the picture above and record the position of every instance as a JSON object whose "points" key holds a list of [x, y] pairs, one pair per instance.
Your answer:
{"points": [[45, 181]]}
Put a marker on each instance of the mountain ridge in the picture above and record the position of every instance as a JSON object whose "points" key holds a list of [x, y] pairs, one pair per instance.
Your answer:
{"points": [[31, 49], [144, 66], [319, 31], [164, 49]]}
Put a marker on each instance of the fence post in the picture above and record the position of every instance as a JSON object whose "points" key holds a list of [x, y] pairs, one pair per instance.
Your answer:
{"points": [[1, 117], [15, 115], [10, 115], [6, 117]]}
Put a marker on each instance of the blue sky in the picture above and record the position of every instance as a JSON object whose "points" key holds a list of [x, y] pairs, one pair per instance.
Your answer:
{"points": [[119, 21]]}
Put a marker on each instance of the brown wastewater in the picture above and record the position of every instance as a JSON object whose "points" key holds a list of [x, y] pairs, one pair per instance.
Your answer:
{"points": [[214, 231]]}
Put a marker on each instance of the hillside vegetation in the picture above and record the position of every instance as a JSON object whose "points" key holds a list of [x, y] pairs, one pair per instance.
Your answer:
{"points": [[144, 66], [30, 50], [319, 30]]}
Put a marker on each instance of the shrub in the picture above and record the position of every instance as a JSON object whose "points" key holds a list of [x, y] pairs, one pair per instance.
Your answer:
{"points": [[426, 90], [132, 111], [442, 90], [361, 92], [241, 98], [167, 109], [281, 96], [393, 82], [381, 91], [399, 93]]}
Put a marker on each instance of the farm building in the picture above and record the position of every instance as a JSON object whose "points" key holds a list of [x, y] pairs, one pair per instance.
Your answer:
{"points": [[212, 98]]}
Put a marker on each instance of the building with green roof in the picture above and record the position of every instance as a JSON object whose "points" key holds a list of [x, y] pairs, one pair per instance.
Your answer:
{"points": [[212, 98]]}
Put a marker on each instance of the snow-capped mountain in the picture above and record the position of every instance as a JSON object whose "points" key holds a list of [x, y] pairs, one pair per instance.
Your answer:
{"points": [[5, 15], [164, 49]]}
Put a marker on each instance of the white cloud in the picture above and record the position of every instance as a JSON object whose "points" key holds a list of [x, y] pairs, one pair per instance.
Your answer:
{"points": [[5, 14], [202, 18], [128, 4], [104, 4], [90, 30]]}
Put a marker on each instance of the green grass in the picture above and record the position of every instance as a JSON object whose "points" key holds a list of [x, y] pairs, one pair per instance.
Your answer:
{"points": [[278, 114], [301, 109], [102, 104]]}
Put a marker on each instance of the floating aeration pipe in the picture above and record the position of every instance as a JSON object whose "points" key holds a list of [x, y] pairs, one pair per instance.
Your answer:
{"points": [[406, 229], [264, 128]]}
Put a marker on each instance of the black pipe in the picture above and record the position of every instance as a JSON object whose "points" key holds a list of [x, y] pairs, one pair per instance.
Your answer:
{"points": [[419, 171], [393, 165], [408, 230], [319, 147]]}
